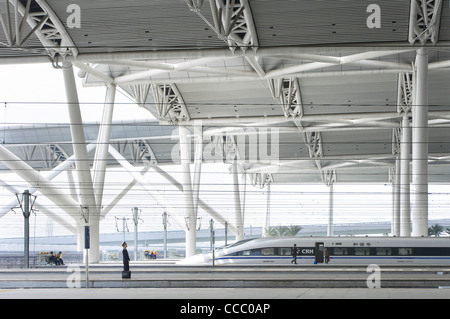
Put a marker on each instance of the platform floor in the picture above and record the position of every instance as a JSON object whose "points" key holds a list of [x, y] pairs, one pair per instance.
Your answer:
{"points": [[225, 293], [159, 281]]}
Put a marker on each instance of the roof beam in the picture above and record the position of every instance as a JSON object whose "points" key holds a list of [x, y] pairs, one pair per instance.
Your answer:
{"points": [[361, 59], [44, 24], [424, 21], [260, 180], [232, 22], [398, 47], [287, 92], [194, 65], [169, 103], [232, 73]]}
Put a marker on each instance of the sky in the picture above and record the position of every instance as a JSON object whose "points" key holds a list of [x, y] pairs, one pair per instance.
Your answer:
{"points": [[36, 94]]}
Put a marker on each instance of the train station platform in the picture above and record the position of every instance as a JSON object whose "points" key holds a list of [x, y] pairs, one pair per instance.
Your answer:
{"points": [[227, 293], [164, 277]]}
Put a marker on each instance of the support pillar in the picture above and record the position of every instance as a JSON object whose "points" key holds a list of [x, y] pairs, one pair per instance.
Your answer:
{"points": [[83, 170], [237, 204], [405, 154], [72, 187], [136, 223], [191, 216], [80, 235], [330, 211], [101, 152], [395, 229], [198, 159], [267, 217], [420, 148], [165, 234], [26, 238]]}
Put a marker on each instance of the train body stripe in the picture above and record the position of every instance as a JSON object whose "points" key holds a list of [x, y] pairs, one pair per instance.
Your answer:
{"points": [[332, 257]]}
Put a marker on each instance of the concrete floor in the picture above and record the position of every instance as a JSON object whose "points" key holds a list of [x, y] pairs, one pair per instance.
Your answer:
{"points": [[225, 293]]}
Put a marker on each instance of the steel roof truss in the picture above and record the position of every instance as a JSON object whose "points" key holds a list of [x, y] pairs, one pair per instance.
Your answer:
{"points": [[43, 23], [50, 155], [142, 152], [405, 93], [425, 19], [169, 103], [261, 180], [233, 22]]}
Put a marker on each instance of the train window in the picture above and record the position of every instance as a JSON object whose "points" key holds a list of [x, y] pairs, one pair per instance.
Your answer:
{"points": [[285, 251], [340, 251], [362, 251], [252, 252], [267, 251], [383, 251], [405, 251], [430, 251]]}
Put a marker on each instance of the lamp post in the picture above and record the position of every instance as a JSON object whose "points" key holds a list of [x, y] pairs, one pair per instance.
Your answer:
{"points": [[165, 233], [26, 206], [26, 214]]}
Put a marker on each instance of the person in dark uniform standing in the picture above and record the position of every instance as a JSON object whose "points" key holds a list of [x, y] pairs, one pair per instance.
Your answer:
{"points": [[294, 255], [126, 258], [326, 255]]}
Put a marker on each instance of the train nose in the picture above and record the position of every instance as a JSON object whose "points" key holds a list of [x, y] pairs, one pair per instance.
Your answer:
{"points": [[201, 259]]}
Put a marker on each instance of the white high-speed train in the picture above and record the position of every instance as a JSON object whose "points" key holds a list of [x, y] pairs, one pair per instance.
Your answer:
{"points": [[342, 251]]}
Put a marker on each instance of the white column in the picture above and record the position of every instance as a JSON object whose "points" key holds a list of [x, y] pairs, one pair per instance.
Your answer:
{"points": [[237, 204], [420, 148], [80, 236], [191, 216], [101, 152], [266, 225], [396, 199], [330, 211], [136, 223], [72, 186], [405, 154], [198, 159], [83, 170]]}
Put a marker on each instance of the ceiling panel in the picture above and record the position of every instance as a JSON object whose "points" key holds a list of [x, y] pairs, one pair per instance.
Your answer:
{"points": [[309, 22]]}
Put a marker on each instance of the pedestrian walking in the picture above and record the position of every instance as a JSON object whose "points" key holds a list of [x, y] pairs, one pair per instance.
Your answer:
{"points": [[294, 255]]}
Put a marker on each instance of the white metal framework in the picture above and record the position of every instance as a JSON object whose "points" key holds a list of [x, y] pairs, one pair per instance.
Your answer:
{"points": [[343, 97]]}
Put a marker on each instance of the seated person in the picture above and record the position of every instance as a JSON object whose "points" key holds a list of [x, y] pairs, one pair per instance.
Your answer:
{"points": [[59, 260], [52, 258]]}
